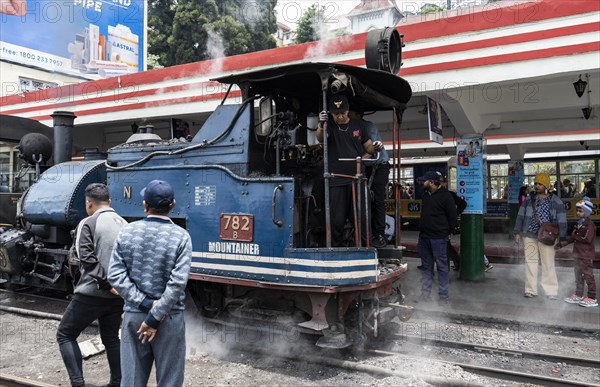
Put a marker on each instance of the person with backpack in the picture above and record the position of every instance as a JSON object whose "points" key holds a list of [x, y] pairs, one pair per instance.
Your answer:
{"points": [[94, 298], [437, 222], [461, 204]]}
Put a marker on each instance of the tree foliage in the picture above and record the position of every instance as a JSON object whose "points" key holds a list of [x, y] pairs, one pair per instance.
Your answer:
{"points": [[432, 9], [309, 24], [160, 25], [186, 31]]}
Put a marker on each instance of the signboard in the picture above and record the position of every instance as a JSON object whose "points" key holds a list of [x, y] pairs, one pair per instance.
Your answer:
{"points": [[470, 176], [516, 175], [87, 38], [236, 227], [434, 114], [496, 209]]}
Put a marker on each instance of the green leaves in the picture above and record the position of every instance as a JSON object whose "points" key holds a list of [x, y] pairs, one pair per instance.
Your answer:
{"points": [[185, 31]]}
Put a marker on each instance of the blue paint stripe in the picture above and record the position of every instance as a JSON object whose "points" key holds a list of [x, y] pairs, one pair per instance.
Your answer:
{"points": [[286, 266], [287, 280], [321, 255]]}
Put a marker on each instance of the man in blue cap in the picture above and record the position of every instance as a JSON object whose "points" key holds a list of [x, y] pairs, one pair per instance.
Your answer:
{"points": [[149, 268], [438, 219]]}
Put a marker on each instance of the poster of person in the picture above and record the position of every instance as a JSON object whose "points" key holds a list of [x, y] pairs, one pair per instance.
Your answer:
{"points": [[470, 173], [516, 175], [434, 114], [180, 128]]}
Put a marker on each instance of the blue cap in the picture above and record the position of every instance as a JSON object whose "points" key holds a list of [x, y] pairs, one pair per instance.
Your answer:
{"points": [[431, 175], [158, 194]]}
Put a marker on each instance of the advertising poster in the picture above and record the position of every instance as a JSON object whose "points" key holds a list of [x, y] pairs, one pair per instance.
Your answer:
{"points": [[516, 175], [470, 169], [434, 114], [89, 38]]}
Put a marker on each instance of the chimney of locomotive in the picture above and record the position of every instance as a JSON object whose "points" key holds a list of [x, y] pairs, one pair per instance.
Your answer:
{"points": [[63, 136]]}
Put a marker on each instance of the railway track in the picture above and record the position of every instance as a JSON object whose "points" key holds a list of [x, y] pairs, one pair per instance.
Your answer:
{"points": [[15, 381], [499, 373], [495, 372], [306, 355], [32, 305], [523, 354]]}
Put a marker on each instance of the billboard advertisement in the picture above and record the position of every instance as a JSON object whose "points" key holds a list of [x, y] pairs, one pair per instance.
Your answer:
{"points": [[470, 170], [88, 38], [434, 115]]}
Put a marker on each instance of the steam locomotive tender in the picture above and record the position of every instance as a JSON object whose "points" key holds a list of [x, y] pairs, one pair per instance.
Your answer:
{"points": [[250, 189]]}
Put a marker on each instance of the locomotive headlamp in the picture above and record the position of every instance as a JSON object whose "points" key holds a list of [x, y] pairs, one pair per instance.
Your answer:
{"points": [[383, 50], [580, 87]]}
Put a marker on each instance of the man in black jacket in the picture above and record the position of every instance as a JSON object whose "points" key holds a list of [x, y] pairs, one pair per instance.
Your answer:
{"points": [[94, 298], [438, 220]]}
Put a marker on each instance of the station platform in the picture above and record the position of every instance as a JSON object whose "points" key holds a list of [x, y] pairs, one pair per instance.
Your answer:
{"points": [[499, 248], [499, 297]]}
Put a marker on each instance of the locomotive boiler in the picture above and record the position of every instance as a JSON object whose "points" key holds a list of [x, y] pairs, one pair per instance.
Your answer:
{"points": [[251, 189]]}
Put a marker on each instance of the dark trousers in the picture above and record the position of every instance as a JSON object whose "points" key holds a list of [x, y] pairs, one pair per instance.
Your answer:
{"points": [[78, 316], [341, 208], [434, 251], [379, 187], [584, 272]]}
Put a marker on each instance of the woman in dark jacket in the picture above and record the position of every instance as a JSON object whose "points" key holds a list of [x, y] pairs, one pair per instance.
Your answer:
{"points": [[549, 208]]}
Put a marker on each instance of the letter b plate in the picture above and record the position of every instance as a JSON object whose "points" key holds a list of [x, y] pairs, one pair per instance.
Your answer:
{"points": [[236, 227]]}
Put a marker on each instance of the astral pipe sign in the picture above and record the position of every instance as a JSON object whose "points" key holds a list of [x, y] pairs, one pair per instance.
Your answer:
{"points": [[89, 38]]}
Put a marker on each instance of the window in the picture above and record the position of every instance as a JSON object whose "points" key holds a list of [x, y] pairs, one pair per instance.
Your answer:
{"points": [[11, 167], [28, 84], [498, 181], [578, 178]]}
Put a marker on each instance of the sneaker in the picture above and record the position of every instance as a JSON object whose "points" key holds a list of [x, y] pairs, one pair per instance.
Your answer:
{"points": [[529, 295], [573, 299], [588, 302], [378, 241], [488, 267]]}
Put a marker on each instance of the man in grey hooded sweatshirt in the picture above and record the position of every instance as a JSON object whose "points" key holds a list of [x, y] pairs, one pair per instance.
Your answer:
{"points": [[94, 298]]}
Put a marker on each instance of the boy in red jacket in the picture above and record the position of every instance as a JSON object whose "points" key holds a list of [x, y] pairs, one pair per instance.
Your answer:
{"points": [[584, 239]]}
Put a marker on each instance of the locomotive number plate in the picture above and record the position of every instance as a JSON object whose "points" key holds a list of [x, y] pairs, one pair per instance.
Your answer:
{"points": [[236, 227]]}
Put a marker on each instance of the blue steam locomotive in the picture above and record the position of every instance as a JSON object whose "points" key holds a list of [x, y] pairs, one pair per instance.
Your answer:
{"points": [[251, 190]]}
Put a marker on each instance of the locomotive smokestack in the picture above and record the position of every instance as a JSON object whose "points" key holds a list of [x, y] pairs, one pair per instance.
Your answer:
{"points": [[63, 136]]}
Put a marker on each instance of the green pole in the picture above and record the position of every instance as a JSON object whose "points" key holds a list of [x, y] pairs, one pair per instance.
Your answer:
{"points": [[471, 247]]}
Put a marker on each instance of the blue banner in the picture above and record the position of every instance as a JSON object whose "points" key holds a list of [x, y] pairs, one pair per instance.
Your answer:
{"points": [[516, 175], [90, 38], [470, 173]]}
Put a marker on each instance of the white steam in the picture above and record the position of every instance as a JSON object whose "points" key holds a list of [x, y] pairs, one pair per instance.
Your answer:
{"points": [[215, 48]]}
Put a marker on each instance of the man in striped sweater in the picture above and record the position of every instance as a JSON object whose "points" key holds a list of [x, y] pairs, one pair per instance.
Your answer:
{"points": [[149, 268]]}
